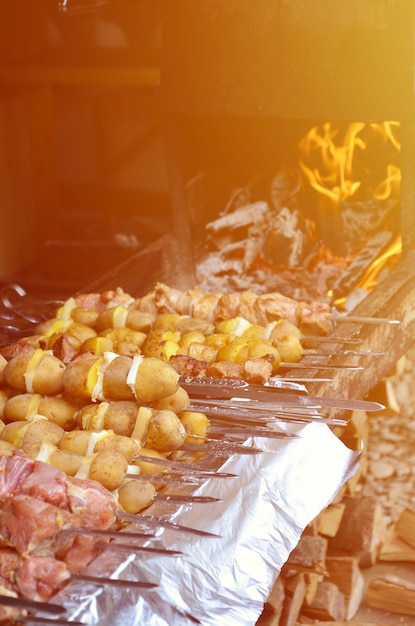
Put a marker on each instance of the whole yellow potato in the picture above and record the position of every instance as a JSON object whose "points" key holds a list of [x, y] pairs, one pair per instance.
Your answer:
{"points": [[165, 431], [148, 468], [155, 380], [3, 363], [234, 353], [66, 461], [84, 316], [76, 441], [189, 338], [125, 341], [39, 432], [260, 348], [195, 423], [13, 432], [136, 495], [97, 345], [35, 371], [81, 375], [109, 468], [118, 416], [114, 384], [125, 445], [290, 348], [166, 321], [177, 402], [6, 448]]}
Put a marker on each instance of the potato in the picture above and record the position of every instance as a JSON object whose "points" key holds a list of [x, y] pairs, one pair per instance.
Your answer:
{"points": [[84, 316], [35, 371], [254, 331], [177, 402], [155, 380], [165, 431], [114, 384], [118, 416], [3, 363], [282, 328], [22, 406], [122, 317], [76, 441], [218, 340], [195, 423], [38, 432], [6, 448], [136, 495], [166, 321], [234, 353], [163, 349], [48, 376], [125, 445], [4, 397], [59, 411], [290, 348], [81, 375], [148, 468], [202, 352], [125, 341], [189, 338], [97, 345], [108, 468], [260, 348], [13, 432], [66, 461]]}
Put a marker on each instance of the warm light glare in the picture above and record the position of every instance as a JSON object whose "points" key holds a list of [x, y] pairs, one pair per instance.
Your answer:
{"points": [[329, 162]]}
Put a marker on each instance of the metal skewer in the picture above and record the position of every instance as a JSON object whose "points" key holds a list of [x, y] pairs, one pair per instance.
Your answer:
{"points": [[114, 534], [116, 582], [186, 468], [361, 320], [152, 521], [32, 605]]}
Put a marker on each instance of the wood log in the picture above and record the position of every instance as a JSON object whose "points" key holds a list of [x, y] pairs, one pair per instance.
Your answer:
{"points": [[311, 579], [405, 527], [308, 555], [329, 520], [362, 529], [272, 610], [396, 549], [328, 603], [295, 591], [392, 594], [345, 573]]}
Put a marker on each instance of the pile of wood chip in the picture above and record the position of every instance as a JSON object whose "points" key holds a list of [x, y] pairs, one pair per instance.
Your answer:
{"points": [[354, 564]]}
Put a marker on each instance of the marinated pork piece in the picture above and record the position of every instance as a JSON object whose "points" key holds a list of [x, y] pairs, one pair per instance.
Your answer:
{"points": [[39, 578]]}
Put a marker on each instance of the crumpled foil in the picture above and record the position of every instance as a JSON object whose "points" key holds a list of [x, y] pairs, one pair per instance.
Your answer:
{"points": [[225, 579]]}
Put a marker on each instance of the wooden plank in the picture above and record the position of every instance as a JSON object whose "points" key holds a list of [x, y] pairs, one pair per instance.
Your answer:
{"points": [[405, 527], [362, 529], [345, 573], [295, 591], [328, 603], [391, 594]]}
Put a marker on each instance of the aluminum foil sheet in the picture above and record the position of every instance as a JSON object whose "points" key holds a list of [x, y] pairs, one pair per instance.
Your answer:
{"points": [[225, 579]]}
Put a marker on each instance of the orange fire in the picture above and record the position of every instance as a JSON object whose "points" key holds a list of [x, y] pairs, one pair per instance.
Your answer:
{"points": [[355, 163]]}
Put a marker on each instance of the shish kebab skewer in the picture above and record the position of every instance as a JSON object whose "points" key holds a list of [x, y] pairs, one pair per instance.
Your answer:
{"points": [[201, 389]]}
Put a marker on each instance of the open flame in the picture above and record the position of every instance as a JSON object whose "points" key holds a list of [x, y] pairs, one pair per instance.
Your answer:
{"points": [[354, 169], [334, 167]]}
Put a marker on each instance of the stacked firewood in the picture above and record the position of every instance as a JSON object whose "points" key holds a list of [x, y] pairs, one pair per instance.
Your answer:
{"points": [[333, 571]]}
